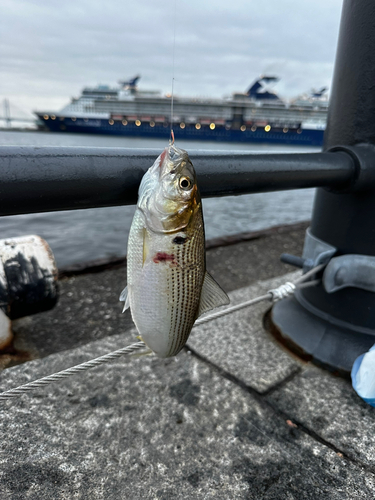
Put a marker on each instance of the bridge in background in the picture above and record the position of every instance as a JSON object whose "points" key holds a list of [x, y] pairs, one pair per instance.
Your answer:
{"points": [[9, 113]]}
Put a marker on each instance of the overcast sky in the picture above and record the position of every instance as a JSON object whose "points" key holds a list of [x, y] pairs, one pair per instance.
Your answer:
{"points": [[50, 49]]}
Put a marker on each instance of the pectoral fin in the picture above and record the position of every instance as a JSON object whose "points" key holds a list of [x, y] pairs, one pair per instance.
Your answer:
{"points": [[212, 295], [124, 297]]}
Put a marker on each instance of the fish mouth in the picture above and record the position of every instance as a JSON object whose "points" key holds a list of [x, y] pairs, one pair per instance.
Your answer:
{"points": [[177, 156], [171, 160]]}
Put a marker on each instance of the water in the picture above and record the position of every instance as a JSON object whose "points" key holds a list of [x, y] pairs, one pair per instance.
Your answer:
{"points": [[84, 235]]}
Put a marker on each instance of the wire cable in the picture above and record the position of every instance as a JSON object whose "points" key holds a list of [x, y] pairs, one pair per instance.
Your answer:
{"points": [[12, 393]]}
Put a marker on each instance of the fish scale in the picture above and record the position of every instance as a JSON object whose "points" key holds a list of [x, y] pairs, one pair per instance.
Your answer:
{"points": [[190, 278], [171, 312]]}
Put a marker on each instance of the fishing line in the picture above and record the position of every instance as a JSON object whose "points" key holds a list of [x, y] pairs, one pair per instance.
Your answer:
{"points": [[173, 55], [272, 296]]}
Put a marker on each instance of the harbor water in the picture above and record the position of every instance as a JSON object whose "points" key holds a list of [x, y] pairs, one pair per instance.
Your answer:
{"points": [[85, 235]]}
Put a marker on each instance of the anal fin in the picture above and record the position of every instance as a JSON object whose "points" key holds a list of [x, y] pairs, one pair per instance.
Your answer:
{"points": [[212, 295]]}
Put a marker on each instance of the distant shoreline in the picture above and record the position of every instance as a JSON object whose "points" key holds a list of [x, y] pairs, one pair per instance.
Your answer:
{"points": [[14, 129]]}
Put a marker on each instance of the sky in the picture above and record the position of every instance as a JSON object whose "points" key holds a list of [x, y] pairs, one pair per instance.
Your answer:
{"points": [[50, 50]]}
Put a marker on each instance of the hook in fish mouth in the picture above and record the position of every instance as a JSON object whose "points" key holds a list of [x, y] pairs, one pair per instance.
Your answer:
{"points": [[171, 140]]}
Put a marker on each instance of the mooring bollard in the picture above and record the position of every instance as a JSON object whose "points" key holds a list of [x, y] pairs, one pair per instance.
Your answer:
{"points": [[28, 281], [28, 276], [335, 321]]}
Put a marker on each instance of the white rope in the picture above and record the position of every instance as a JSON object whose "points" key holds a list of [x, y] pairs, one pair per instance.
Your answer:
{"points": [[273, 295], [232, 309], [310, 273], [282, 291]]}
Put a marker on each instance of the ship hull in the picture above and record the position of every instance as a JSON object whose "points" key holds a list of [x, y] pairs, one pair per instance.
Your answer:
{"points": [[300, 137]]}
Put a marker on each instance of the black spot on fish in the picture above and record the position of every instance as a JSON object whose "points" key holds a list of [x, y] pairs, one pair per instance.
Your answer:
{"points": [[179, 240]]}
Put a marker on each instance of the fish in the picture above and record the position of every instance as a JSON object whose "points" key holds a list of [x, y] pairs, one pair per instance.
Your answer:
{"points": [[168, 286]]}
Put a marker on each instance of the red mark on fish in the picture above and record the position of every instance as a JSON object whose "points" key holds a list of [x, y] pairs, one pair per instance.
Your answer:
{"points": [[163, 257]]}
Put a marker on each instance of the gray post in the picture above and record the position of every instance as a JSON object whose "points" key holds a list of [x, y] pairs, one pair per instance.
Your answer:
{"points": [[336, 327]]}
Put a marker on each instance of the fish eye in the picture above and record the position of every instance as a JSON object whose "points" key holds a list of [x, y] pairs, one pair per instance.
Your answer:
{"points": [[185, 183]]}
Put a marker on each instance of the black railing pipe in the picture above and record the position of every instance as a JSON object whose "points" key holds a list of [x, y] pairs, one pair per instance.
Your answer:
{"points": [[47, 179]]}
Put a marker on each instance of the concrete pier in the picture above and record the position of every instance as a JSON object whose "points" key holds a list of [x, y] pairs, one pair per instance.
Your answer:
{"points": [[234, 415]]}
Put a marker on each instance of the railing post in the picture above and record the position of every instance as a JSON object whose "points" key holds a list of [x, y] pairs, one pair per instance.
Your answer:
{"points": [[336, 327]]}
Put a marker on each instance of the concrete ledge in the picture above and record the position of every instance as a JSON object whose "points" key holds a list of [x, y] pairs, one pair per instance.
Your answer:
{"points": [[188, 427]]}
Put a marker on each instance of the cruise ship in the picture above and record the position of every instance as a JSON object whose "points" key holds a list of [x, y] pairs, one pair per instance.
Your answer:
{"points": [[258, 115]]}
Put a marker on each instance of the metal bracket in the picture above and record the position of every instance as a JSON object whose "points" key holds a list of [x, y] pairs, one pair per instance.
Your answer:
{"points": [[350, 271], [316, 251], [341, 272]]}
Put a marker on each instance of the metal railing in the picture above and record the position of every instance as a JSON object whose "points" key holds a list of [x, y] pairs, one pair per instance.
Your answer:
{"points": [[40, 179]]}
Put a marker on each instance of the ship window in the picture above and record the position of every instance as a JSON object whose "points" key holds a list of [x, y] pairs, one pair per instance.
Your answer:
{"points": [[124, 122], [285, 130], [299, 131], [138, 122], [253, 128], [212, 126], [53, 117], [152, 124], [85, 120], [243, 128], [74, 118], [182, 125], [46, 117], [197, 126], [267, 128], [111, 122]]}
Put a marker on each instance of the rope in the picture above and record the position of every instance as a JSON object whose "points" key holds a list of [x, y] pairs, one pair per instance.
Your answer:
{"points": [[282, 291], [232, 309], [273, 296], [310, 273]]}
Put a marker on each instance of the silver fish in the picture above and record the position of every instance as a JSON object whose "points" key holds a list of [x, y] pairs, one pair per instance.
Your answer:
{"points": [[168, 285]]}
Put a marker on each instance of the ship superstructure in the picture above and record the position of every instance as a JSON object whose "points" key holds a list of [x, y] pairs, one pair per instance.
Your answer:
{"points": [[257, 115]]}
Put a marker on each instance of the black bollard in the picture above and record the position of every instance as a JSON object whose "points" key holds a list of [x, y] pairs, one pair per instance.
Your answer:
{"points": [[335, 321]]}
